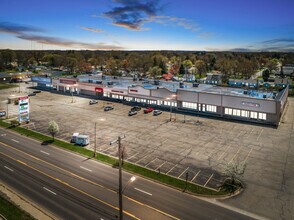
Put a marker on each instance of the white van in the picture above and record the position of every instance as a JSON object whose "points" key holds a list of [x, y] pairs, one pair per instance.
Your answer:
{"points": [[74, 137], [82, 140]]}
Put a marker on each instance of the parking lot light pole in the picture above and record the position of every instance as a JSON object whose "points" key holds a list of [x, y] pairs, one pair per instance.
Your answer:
{"points": [[95, 146], [170, 114]]}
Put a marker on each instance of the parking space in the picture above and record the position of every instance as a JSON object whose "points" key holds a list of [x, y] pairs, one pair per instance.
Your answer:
{"points": [[201, 147]]}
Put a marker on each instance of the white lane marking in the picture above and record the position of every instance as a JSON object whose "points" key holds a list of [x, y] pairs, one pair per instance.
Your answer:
{"points": [[85, 168], [195, 175], [2, 135], [8, 168], [15, 140], [140, 190], [259, 134], [208, 180], [50, 191], [44, 152]]}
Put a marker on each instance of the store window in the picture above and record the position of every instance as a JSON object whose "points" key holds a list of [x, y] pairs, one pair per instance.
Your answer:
{"points": [[210, 108], [236, 112], [245, 113], [189, 105], [262, 116], [159, 102], [203, 107], [128, 99], [228, 111], [114, 96], [253, 115], [151, 102], [106, 94]]}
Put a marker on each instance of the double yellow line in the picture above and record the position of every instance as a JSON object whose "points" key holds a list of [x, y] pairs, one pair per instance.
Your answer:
{"points": [[84, 179]]}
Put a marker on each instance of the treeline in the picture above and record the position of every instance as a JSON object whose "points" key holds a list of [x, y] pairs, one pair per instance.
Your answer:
{"points": [[152, 63]]}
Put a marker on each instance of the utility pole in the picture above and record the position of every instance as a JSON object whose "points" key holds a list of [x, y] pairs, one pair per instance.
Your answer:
{"points": [[120, 189], [7, 109], [120, 180]]}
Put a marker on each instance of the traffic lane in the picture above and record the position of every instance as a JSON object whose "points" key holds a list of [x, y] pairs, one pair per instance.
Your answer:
{"points": [[47, 194], [79, 184], [163, 198]]}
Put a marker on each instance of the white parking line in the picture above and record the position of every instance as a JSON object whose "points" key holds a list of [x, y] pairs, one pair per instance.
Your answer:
{"points": [[140, 190], [160, 165], [248, 155], [172, 168], [235, 155], [183, 172], [259, 134], [142, 158], [44, 152], [150, 162], [8, 168], [50, 191], [85, 168], [208, 179], [15, 140], [132, 156], [195, 176], [226, 150], [2, 135]]}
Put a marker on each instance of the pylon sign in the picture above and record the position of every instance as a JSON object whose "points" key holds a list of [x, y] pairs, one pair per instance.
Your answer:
{"points": [[23, 109]]}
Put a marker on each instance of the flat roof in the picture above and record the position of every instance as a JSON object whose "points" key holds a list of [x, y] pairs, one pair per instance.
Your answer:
{"points": [[125, 82]]}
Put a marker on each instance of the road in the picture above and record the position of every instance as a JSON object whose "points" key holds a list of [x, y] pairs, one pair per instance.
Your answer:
{"points": [[71, 186]]}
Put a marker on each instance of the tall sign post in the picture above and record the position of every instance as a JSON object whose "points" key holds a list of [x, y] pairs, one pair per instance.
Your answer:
{"points": [[23, 109]]}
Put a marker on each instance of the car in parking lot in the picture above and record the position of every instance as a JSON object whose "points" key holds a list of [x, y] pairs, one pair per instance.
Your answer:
{"points": [[148, 110], [132, 113], [108, 108], [92, 102], [157, 112], [136, 108]]}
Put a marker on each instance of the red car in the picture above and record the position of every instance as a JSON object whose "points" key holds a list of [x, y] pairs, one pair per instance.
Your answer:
{"points": [[148, 110]]}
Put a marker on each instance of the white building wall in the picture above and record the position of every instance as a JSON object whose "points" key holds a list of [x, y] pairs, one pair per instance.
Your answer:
{"points": [[257, 105], [211, 99], [187, 96], [161, 93], [138, 90]]}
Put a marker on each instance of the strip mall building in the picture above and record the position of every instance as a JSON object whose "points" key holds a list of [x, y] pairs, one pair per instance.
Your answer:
{"points": [[232, 103]]}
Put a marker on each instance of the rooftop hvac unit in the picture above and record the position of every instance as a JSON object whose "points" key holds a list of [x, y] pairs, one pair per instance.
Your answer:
{"points": [[156, 82], [264, 96], [245, 92], [181, 85], [195, 84]]}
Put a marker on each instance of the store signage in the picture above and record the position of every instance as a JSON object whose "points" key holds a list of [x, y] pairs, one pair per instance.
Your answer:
{"points": [[2, 113], [133, 90], [99, 89], [23, 109], [250, 104], [68, 81], [117, 91]]}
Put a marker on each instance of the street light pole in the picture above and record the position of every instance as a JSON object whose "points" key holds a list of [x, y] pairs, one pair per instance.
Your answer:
{"points": [[95, 146], [170, 116]]}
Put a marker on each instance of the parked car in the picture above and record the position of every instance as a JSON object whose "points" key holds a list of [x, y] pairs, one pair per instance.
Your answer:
{"points": [[92, 102], [157, 112], [136, 108], [32, 94], [148, 110], [132, 113], [37, 91], [108, 108]]}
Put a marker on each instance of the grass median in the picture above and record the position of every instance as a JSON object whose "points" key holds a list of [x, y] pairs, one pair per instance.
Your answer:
{"points": [[159, 177], [11, 211]]}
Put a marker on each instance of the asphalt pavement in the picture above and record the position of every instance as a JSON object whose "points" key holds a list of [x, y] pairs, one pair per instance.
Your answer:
{"points": [[71, 186]]}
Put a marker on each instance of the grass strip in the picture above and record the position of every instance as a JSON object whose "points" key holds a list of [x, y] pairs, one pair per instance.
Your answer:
{"points": [[11, 211], [159, 177]]}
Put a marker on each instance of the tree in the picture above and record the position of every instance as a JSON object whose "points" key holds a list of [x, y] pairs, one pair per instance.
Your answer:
{"points": [[201, 67], [154, 71], [272, 64], [53, 128], [265, 74], [235, 171]]}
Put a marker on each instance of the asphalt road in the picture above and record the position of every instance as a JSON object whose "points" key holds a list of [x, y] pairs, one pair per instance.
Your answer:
{"points": [[71, 186]]}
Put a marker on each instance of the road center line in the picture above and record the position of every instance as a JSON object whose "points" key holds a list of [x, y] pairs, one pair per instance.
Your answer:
{"points": [[85, 168], [50, 191], [140, 190], [8, 168], [44, 152], [15, 140]]}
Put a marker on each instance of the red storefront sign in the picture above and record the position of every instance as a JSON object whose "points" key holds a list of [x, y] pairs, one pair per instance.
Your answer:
{"points": [[68, 81], [98, 89], [133, 90], [117, 91]]}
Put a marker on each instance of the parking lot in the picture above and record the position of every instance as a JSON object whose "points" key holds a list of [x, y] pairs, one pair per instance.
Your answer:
{"points": [[201, 147]]}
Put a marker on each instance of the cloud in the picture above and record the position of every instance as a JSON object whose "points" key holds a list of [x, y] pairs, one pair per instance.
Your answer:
{"points": [[68, 43], [278, 41], [132, 14], [96, 30], [171, 20], [10, 28]]}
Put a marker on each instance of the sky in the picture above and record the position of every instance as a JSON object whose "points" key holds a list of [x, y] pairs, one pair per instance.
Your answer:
{"points": [[210, 25]]}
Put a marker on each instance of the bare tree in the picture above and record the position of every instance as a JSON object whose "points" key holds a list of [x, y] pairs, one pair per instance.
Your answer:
{"points": [[235, 171]]}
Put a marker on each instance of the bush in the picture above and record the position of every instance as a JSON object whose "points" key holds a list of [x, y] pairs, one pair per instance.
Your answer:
{"points": [[14, 123]]}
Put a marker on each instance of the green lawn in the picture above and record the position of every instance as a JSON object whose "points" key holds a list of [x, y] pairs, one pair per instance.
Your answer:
{"points": [[6, 86], [162, 178], [12, 212]]}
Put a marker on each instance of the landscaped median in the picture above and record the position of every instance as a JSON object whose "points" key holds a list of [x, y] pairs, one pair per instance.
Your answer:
{"points": [[158, 177]]}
